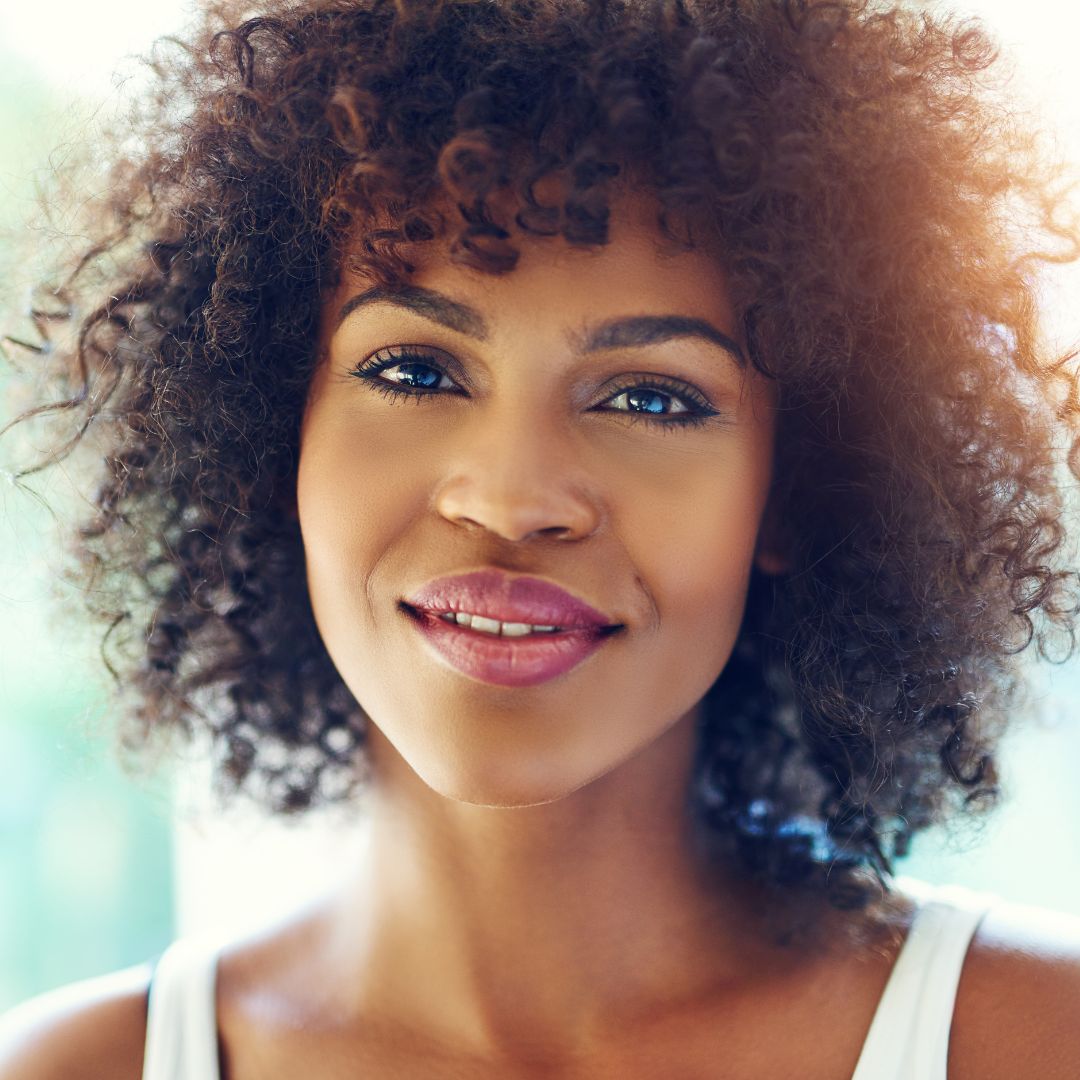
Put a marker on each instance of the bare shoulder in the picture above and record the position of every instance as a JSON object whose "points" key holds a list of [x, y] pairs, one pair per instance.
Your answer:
{"points": [[89, 1030], [1018, 1003]]}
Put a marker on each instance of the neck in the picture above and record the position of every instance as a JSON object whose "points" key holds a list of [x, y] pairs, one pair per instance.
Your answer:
{"points": [[559, 925]]}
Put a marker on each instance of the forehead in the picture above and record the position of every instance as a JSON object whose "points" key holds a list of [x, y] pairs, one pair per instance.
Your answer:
{"points": [[639, 270], [564, 302]]}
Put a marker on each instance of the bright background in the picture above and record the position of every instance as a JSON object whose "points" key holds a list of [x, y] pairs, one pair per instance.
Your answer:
{"points": [[97, 870]]}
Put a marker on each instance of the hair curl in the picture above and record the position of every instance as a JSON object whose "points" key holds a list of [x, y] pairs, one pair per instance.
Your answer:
{"points": [[862, 179]]}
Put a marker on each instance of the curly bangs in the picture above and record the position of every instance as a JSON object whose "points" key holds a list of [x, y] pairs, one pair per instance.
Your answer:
{"points": [[859, 176]]}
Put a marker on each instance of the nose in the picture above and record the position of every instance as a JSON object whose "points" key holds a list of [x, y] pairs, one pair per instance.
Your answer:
{"points": [[517, 478]]}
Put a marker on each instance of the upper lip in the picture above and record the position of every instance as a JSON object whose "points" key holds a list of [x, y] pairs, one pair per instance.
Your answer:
{"points": [[508, 598]]}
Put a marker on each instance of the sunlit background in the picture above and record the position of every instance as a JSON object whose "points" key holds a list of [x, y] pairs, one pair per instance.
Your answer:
{"points": [[94, 873]]}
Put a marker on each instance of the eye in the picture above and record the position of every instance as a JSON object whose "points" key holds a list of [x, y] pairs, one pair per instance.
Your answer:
{"points": [[407, 372], [417, 373], [651, 397]]}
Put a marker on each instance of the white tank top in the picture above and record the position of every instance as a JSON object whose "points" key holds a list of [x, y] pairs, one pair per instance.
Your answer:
{"points": [[908, 1037]]}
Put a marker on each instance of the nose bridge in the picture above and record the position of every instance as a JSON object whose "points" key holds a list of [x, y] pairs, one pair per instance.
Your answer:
{"points": [[515, 471]]}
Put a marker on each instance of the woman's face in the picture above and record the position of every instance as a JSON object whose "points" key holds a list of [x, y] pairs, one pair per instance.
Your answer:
{"points": [[537, 429]]}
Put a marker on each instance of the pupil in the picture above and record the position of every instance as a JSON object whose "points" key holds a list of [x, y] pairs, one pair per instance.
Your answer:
{"points": [[637, 396], [427, 381]]}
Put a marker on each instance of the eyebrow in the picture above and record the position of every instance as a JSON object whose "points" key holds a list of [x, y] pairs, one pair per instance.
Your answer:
{"points": [[620, 333]]}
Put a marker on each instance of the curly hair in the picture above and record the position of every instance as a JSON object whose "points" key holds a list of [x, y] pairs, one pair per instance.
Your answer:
{"points": [[880, 215]]}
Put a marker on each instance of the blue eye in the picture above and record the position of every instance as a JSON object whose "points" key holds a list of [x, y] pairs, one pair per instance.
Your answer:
{"points": [[643, 399], [417, 374], [656, 399]]}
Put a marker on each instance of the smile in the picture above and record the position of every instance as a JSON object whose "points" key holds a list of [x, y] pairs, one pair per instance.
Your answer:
{"points": [[494, 626], [512, 654]]}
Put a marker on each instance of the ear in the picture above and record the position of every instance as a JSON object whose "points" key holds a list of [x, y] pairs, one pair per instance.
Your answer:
{"points": [[771, 553]]}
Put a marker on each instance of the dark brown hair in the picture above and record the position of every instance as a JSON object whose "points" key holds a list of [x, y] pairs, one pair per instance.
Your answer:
{"points": [[861, 175]]}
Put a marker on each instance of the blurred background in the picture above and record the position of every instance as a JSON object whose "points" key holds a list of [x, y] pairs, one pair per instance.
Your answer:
{"points": [[98, 869]]}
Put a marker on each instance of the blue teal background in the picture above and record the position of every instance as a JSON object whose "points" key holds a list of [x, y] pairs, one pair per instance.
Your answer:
{"points": [[86, 874], [87, 879]]}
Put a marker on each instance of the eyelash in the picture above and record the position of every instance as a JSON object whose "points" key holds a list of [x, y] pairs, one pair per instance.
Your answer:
{"points": [[701, 411]]}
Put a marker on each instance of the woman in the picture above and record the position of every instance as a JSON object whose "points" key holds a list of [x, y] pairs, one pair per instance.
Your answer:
{"points": [[613, 444]]}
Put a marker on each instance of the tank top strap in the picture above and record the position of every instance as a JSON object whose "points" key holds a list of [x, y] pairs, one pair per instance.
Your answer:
{"points": [[909, 1036], [181, 1025]]}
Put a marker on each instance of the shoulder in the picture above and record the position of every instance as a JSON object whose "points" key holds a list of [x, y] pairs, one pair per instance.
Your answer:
{"points": [[1018, 1003], [89, 1030]]}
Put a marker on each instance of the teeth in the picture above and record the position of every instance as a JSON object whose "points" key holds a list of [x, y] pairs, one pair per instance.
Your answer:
{"points": [[489, 626], [493, 626]]}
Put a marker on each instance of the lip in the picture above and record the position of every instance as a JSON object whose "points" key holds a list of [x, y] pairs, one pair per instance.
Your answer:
{"points": [[508, 661], [508, 598]]}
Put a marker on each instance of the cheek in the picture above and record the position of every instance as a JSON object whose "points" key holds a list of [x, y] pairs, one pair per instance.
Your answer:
{"points": [[692, 536], [354, 503], [348, 493], [351, 482], [691, 510]]}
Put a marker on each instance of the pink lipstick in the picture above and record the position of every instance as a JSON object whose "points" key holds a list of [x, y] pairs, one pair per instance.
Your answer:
{"points": [[527, 630]]}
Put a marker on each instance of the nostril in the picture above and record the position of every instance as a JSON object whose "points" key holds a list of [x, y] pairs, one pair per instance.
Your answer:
{"points": [[562, 531]]}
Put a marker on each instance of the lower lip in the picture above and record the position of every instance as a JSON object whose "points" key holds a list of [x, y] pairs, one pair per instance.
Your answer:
{"points": [[506, 661]]}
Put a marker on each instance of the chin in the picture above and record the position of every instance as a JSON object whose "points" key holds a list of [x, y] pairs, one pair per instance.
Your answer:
{"points": [[504, 788]]}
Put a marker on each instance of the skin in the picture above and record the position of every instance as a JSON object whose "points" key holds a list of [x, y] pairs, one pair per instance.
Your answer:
{"points": [[654, 525], [531, 902], [513, 824], [532, 898]]}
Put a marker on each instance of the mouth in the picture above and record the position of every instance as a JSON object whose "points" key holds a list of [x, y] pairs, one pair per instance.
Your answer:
{"points": [[491, 600], [517, 659], [505, 629]]}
